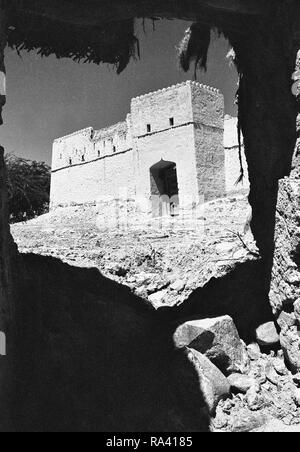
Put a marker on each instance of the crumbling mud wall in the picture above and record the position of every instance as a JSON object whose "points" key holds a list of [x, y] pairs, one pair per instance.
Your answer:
{"points": [[285, 280], [285, 284]]}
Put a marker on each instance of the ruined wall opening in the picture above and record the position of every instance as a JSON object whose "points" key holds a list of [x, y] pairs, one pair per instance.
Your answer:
{"points": [[164, 189]]}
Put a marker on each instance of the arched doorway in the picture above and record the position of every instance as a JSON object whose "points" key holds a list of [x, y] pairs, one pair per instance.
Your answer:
{"points": [[164, 189]]}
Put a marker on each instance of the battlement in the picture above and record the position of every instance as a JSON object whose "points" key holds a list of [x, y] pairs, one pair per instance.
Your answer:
{"points": [[188, 83], [86, 130], [157, 111], [110, 131]]}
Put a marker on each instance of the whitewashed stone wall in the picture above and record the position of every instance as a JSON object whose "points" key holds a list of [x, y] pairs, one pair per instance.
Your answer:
{"points": [[183, 124]]}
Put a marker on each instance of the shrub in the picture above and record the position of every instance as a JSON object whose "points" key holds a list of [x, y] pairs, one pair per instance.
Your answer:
{"points": [[28, 184]]}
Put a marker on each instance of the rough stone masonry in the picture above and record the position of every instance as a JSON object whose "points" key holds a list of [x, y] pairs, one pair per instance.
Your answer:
{"points": [[168, 156]]}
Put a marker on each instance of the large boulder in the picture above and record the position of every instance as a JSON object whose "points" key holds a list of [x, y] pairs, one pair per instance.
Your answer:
{"points": [[213, 384], [217, 339], [290, 343]]}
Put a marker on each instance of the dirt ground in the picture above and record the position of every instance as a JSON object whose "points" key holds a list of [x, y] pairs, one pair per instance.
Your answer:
{"points": [[162, 261]]}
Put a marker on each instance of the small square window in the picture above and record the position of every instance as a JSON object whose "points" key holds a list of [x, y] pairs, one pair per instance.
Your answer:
{"points": [[172, 122], [148, 128]]}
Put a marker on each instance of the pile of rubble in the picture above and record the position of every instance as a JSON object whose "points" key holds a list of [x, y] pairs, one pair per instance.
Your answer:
{"points": [[245, 387]]}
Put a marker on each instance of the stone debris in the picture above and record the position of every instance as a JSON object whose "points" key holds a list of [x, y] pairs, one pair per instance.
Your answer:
{"points": [[279, 366], [225, 248], [240, 383], [272, 398], [253, 351], [271, 373], [296, 379], [175, 255], [218, 339], [289, 341], [297, 397], [178, 285], [158, 298], [267, 334], [214, 385], [245, 422]]}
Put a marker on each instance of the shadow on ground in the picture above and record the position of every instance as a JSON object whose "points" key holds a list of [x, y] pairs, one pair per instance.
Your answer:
{"points": [[243, 294], [94, 357]]}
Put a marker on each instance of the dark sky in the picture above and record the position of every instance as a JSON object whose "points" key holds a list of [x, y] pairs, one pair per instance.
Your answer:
{"points": [[49, 98]]}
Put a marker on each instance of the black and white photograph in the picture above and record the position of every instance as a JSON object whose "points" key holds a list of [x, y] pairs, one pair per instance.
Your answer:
{"points": [[149, 219]]}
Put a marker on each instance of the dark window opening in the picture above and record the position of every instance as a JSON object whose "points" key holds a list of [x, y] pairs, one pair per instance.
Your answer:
{"points": [[148, 128], [83, 158], [172, 122], [99, 154], [114, 149], [70, 161]]}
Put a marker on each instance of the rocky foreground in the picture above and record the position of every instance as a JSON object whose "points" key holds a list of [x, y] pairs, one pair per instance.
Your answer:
{"points": [[245, 387], [162, 261]]}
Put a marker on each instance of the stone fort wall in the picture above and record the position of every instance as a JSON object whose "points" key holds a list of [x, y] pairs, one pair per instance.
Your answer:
{"points": [[183, 124]]}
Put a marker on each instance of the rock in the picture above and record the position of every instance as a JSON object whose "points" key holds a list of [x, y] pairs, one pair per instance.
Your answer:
{"points": [[141, 292], [217, 339], [213, 384], [225, 248], [290, 344], [254, 400], [257, 371], [296, 379], [240, 383], [117, 269], [246, 422], [253, 351], [297, 309], [227, 406], [271, 374], [240, 254], [178, 285], [293, 277], [156, 286], [279, 366], [286, 320], [220, 422], [267, 334], [157, 298], [144, 279], [296, 397]]}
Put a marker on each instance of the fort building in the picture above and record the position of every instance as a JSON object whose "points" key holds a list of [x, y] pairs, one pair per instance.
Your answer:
{"points": [[170, 153]]}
